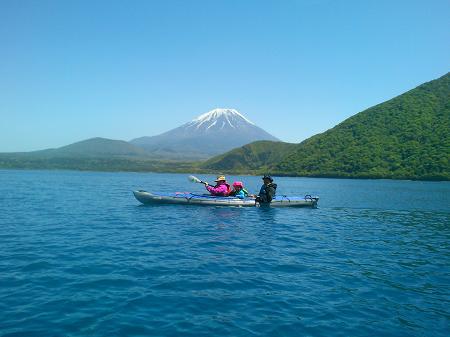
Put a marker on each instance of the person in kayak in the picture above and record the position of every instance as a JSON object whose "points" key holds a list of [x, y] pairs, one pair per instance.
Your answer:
{"points": [[238, 190], [222, 188], [267, 191]]}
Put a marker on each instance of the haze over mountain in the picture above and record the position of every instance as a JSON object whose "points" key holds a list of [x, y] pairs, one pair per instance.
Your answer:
{"points": [[98, 146], [94, 154], [209, 134], [214, 132], [407, 137]]}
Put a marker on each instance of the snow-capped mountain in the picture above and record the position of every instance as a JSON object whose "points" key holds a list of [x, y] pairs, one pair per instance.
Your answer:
{"points": [[218, 119], [211, 133]]}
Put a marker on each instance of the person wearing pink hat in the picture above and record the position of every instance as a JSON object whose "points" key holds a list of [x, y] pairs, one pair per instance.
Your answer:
{"points": [[238, 190]]}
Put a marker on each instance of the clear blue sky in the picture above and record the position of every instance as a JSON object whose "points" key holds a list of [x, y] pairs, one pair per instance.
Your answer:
{"points": [[71, 70]]}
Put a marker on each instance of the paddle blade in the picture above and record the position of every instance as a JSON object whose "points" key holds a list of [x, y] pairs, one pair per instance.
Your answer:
{"points": [[194, 179]]}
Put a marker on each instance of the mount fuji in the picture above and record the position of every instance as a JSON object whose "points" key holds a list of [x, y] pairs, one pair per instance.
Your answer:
{"points": [[211, 133]]}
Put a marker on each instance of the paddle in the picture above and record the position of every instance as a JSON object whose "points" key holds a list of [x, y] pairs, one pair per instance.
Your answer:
{"points": [[196, 180]]}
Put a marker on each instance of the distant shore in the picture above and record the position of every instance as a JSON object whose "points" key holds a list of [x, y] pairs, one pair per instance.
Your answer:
{"points": [[97, 165]]}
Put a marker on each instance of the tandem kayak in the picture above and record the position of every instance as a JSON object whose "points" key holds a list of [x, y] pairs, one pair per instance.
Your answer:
{"points": [[203, 199]]}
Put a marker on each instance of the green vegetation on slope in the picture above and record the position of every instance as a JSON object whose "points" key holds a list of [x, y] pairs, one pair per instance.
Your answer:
{"points": [[250, 157], [407, 137], [86, 163]]}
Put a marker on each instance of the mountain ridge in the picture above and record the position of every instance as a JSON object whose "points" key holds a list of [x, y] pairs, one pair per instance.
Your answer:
{"points": [[253, 156], [406, 137], [99, 146], [209, 134]]}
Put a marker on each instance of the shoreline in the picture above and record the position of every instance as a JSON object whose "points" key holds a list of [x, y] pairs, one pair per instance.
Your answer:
{"points": [[256, 173]]}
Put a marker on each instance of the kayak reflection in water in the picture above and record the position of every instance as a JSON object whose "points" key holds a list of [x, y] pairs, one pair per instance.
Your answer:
{"points": [[222, 188], [267, 191], [238, 190]]}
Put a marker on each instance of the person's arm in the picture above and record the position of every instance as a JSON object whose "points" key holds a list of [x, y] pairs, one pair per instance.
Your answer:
{"points": [[261, 197], [213, 190]]}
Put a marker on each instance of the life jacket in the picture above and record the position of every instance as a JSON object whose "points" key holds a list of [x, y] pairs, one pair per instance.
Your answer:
{"points": [[228, 190], [267, 193], [233, 192], [223, 192]]}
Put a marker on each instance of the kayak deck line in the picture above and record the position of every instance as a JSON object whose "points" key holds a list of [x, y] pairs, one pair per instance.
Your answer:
{"points": [[149, 198]]}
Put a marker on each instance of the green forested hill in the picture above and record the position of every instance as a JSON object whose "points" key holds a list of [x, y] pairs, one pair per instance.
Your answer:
{"points": [[407, 137], [254, 156]]}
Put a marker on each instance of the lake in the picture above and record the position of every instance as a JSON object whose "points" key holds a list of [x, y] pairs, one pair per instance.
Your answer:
{"points": [[79, 256]]}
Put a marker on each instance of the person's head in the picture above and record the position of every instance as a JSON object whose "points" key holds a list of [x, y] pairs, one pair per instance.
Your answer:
{"points": [[238, 185], [267, 179], [220, 180]]}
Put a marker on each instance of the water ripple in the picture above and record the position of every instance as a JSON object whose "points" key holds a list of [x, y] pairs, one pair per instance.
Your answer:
{"points": [[95, 263]]}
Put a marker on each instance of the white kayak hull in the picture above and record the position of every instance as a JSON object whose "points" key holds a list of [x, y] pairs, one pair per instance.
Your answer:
{"points": [[148, 198]]}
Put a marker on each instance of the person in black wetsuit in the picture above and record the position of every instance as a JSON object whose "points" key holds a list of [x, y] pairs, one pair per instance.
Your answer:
{"points": [[267, 191]]}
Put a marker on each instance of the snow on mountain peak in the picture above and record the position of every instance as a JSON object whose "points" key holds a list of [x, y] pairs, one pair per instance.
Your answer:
{"points": [[226, 115], [211, 133]]}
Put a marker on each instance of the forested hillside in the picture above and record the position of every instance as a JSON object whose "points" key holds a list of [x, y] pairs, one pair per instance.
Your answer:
{"points": [[254, 156], [407, 137]]}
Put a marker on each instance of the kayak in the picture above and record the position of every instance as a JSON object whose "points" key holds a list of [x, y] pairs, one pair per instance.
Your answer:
{"points": [[206, 199]]}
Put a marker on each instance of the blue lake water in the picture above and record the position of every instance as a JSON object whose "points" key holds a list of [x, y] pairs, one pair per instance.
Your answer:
{"points": [[80, 257]]}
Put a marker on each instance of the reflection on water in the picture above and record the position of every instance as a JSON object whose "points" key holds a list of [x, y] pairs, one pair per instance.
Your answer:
{"points": [[267, 215]]}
